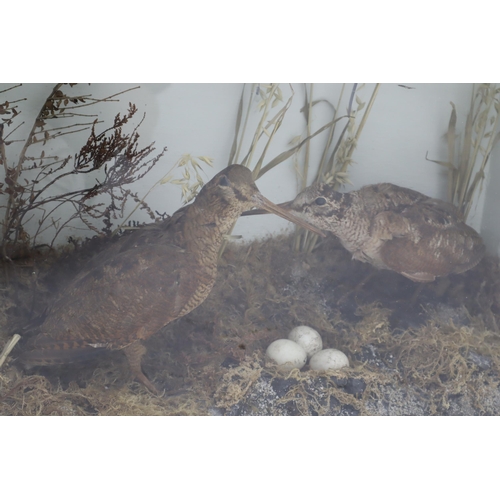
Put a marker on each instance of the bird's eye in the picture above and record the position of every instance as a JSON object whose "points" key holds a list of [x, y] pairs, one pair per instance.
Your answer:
{"points": [[224, 181], [320, 201]]}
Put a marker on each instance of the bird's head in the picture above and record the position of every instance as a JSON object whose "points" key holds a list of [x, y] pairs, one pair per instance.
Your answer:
{"points": [[236, 186]]}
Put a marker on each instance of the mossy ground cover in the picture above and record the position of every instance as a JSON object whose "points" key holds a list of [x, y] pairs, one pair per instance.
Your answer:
{"points": [[439, 355]]}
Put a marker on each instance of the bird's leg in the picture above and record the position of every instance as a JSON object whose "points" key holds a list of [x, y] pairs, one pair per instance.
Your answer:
{"points": [[442, 284], [134, 353]]}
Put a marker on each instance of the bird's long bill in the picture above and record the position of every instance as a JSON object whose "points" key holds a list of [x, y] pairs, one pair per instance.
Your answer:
{"points": [[263, 203]]}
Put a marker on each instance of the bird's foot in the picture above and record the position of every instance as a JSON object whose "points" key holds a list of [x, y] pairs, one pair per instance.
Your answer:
{"points": [[134, 353]]}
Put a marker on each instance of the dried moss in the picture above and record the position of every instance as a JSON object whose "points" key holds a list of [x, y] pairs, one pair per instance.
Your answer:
{"points": [[441, 356]]}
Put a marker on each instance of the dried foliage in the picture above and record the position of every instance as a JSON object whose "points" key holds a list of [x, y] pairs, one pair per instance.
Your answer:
{"points": [[468, 157], [190, 166], [265, 97], [337, 149], [402, 361], [34, 395], [110, 161]]}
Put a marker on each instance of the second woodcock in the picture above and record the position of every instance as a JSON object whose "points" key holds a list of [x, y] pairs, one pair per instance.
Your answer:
{"points": [[393, 227]]}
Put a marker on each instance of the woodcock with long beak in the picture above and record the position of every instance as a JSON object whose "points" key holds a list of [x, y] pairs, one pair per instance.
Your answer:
{"points": [[393, 227], [148, 279]]}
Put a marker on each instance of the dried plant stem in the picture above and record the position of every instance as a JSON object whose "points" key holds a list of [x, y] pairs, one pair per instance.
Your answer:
{"points": [[189, 192], [29, 140], [329, 141], [276, 122], [328, 169], [335, 171], [292, 151], [8, 348], [466, 168], [354, 143], [309, 105], [14, 174], [259, 131], [112, 155], [236, 148]]}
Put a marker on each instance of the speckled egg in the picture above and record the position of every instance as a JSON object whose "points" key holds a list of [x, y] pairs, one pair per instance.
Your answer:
{"points": [[308, 338], [328, 359], [286, 354]]}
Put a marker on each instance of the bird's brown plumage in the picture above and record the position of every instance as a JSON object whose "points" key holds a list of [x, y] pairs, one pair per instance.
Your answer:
{"points": [[147, 279], [393, 227]]}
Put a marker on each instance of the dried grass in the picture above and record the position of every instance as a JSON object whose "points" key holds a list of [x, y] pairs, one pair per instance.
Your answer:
{"points": [[212, 361], [468, 157]]}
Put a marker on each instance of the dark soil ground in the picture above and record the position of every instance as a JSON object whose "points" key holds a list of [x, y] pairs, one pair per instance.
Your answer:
{"points": [[439, 355]]}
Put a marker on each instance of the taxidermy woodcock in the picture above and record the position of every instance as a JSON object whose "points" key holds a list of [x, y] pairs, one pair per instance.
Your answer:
{"points": [[393, 227], [147, 279]]}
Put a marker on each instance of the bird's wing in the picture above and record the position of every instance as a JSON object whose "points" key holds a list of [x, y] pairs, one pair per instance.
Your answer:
{"points": [[126, 298], [434, 242], [377, 198]]}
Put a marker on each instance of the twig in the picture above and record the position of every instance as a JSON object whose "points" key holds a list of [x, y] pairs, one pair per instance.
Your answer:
{"points": [[8, 348]]}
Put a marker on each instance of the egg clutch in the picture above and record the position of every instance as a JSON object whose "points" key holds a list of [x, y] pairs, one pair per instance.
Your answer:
{"points": [[304, 344]]}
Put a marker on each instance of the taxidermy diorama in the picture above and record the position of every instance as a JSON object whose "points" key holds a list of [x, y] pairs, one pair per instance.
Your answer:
{"points": [[383, 301]]}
